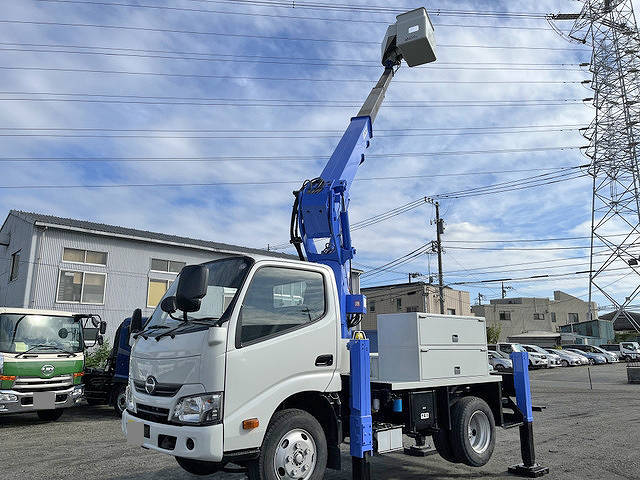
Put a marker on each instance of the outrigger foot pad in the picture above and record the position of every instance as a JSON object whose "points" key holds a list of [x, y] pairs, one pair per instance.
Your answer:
{"points": [[533, 471]]}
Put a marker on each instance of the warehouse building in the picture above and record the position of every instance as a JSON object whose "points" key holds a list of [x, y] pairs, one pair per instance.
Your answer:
{"points": [[518, 316], [412, 297], [65, 264]]}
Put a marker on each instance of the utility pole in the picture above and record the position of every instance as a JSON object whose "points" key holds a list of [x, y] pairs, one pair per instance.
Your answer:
{"points": [[437, 247], [414, 275], [504, 290], [480, 297]]}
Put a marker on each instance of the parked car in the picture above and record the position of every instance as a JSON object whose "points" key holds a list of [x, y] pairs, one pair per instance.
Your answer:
{"points": [[609, 356], [568, 359], [499, 361], [552, 360], [593, 358], [536, 360], [627, 350]]}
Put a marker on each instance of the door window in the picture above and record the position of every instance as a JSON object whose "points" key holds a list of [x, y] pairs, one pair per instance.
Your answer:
{"points": [[279, 300]]}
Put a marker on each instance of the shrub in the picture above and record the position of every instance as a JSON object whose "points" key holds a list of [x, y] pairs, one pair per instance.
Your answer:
{"points": [[493, 333], [98, 357]]}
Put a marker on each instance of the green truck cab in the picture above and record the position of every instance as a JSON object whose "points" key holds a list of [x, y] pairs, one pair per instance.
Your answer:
{"points": [[42, 360]]}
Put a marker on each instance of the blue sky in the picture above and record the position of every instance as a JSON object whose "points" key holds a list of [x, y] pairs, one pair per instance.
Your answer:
{"points": [[256, 215]]}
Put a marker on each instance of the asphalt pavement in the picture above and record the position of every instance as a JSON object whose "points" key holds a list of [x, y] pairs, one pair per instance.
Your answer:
{"points": [[586, 432]]}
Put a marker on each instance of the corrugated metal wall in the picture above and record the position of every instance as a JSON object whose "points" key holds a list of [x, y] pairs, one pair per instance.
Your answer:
{"points": [[128, 272], [19, 234]]}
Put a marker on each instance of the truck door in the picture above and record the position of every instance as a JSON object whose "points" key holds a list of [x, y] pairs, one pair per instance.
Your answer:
{"points": [[284, 342]]}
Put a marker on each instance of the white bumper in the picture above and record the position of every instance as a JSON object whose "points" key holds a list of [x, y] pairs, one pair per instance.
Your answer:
{"points": [[208, 441]]}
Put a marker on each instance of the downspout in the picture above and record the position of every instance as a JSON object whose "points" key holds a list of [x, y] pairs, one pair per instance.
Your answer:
{"points": [[36, 268]]}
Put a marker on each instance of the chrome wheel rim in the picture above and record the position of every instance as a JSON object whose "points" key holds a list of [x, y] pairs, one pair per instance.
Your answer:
{"points": [[295, 457], [121, 402], [479, 431]]}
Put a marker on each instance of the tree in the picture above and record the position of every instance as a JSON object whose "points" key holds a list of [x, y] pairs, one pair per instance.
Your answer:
{"points": [[493, 333]]}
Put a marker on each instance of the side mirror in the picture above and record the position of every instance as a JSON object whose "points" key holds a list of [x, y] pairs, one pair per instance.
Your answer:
{"points": [[192, 286], [168, 304], [103, 327], [136, 321]]}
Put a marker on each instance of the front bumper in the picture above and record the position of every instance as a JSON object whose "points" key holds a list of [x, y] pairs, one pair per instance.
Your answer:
{"points": [[23, 402], [208, 441]]}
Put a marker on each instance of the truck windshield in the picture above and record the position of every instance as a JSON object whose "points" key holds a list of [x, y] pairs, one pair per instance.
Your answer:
{"points": [[225, 278], [39, 333]]}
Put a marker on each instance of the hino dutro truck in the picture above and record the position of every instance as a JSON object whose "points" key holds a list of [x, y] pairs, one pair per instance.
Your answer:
{"points": [[257, 361], [42, 360]]}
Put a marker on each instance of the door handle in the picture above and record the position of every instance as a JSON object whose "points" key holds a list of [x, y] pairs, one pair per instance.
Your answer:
{"points": [[324, 361]]}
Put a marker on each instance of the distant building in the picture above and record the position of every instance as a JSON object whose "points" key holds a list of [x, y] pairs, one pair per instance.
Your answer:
{"points": [[623, 324], [65, 264], [517, 316], [412, 297], [592, 332]]}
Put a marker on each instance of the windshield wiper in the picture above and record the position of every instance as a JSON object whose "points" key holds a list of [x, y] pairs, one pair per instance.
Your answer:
{"points": [[188, 321], [152, 327], [47, 347]]}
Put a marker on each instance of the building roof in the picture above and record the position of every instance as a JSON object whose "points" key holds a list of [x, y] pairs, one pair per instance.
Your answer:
{"points": [[402, 285], [535, 334], [622, 323], [95, 228]]}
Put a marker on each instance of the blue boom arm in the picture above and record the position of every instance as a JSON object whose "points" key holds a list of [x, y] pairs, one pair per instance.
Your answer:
{"points": [[321, 210]]}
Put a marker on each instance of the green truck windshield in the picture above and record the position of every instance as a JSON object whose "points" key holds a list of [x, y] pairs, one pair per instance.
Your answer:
{"points": [[19, 333]]}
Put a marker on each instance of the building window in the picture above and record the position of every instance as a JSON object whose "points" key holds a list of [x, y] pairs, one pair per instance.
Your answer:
{"points": [[155, 291], [372, 306], [279, 300], [505, 315], [538, 316], [412, 309], [75, 255], [451, 311], [573, 318], [171, 266], [553, 317], [81, 287], [399, 304], [15, 266]]}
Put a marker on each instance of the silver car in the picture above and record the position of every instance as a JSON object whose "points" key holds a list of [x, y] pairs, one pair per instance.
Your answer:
{"points": [[499, 361], [567, 359]]}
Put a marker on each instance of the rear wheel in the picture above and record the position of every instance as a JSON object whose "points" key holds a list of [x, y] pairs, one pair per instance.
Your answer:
{"points": [[294, 448], [50, 415], [120, 400], [198, 467], [442, 442], [499, 367], [564, 363], [473, 431]]}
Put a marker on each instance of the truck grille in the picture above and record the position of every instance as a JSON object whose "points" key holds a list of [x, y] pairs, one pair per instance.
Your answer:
{"points": [[33, 384], [153, 414], [161, 390]]}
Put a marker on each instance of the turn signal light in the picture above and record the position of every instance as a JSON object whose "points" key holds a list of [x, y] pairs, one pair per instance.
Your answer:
{"points": [[78, 374], [8, 377], [250, 424]]}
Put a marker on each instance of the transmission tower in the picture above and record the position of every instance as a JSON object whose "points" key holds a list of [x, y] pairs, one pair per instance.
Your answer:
{"points": [[610, 27]]}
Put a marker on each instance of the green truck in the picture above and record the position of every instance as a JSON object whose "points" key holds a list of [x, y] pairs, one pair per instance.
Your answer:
{"points": [[42, 359]]}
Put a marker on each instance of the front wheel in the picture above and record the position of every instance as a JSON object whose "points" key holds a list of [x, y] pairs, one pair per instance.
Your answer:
{"points": [[50, 415], [473, 432], [564, 363], [198, 467], [294, 448], [120, 400]]}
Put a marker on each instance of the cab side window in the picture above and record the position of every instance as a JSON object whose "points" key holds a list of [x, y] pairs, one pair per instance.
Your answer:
{"points": [[279, 300]]}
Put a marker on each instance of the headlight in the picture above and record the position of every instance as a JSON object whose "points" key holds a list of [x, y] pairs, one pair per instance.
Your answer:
{"points": [[131, 405], [8, 398], [204, 409]]}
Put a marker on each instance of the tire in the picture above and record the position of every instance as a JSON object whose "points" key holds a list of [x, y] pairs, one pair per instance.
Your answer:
{"points": [[592, 361], [473, 432], [564, 363], [198, 467], [442, 442], [499, 368], [296, 440], [120, 401], [50, 415]]}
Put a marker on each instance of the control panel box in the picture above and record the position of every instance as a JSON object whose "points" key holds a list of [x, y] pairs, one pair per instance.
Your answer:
{"points": [[418, 347]]}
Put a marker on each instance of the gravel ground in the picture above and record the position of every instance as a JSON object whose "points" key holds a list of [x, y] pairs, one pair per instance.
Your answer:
{"points": [[583, 434]]}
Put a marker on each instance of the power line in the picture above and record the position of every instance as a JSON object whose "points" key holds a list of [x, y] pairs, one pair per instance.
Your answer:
{"points": [[265, 37]]}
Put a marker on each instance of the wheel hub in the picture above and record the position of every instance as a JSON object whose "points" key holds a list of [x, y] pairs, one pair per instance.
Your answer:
{"points": [[479, 431], [295, 457]]}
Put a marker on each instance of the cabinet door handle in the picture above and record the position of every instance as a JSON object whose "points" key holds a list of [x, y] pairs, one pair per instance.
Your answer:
{"points": [[324, 361]]}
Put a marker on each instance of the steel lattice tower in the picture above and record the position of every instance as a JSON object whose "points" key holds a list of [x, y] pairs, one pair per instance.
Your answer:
{"points": [[610, 26]]}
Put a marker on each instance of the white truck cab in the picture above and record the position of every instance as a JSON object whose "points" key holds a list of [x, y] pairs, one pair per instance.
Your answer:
{"points": [[256, 371]]}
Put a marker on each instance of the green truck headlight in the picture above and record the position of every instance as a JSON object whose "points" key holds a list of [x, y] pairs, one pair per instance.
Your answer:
{"points": [[203, 409]]}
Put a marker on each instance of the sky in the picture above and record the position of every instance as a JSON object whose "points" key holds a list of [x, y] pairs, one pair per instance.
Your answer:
{"points": [[196, 80]]}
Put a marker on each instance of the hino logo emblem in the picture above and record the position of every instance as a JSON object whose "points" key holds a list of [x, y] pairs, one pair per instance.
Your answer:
{"points": [[150, 385], [47, 370]]}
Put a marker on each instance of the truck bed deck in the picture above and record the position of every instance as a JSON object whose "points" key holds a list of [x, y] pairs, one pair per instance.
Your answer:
{"points": [[442, 382]]}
